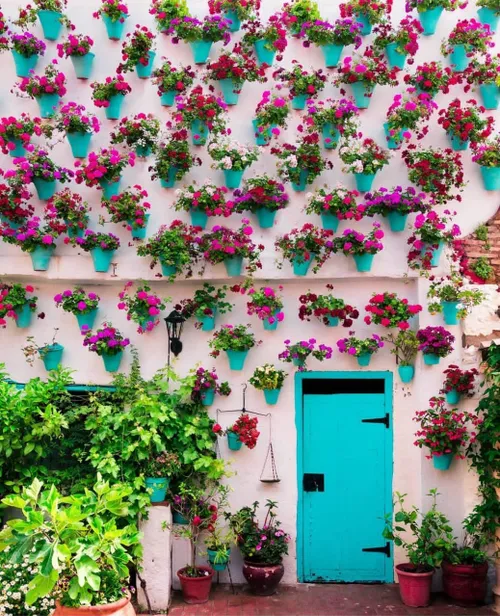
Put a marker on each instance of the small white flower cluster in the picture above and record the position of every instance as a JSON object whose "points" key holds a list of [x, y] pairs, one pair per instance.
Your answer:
{"points": [[14, 580], [230, 154]]}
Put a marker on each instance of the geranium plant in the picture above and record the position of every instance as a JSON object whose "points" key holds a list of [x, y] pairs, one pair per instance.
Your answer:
{"points": [[431, 233], [300, 82], [301, 163], [466, 123], [372, 12], [230, 155], [363, 156], [388, 310], [15, 207], [406, 114], [165, 11], [139, 132], [75, 45], [77, 301], [173, 159], [260, 192], [297, 12], [451, 290], [334, 119], [431, 78], [129, 207], [29, 13], [358, 347], [237, 66], [267, 377], [352, 242], [328, 309], [435, 341], [487, 153], [476, 37], [341, 33], [212, 29], [95, 239], [232, 338], [13, 298], [299, 352], [245, 429], [201, 107], [369, 68], [105, 166], [206, 302], [461, 381], [72, 209], [404, 201], [115, 10], [243, 9], [38, 167], [340, 202], [143, 306], [27, 45], [271, 33], [15, 130], [207, 198], [137, 49], [106, 340], [169, 78], [305, 245], [403, 38], [73, 118], [271, 114], [52, 81], [34, 234], [266, 304], [207, 380], [482, 71], [103, 92]]}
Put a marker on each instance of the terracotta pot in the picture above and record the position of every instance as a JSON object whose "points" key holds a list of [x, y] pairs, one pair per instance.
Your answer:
{"points": [[414, 588], [465, 584], [196, 589], [263, 579], [123, 607]]}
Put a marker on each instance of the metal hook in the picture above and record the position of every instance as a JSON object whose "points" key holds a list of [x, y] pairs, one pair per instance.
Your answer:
{"points": [[245, 385]]}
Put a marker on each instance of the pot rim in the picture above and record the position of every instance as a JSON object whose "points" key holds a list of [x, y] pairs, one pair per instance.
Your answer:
{"points": [[413, 573], [95, 608], [253, 564], [462, 567], [181, 576]]}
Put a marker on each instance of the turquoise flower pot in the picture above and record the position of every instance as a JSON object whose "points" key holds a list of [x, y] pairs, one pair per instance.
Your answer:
{"points": [[490, 94], [221, 564], [330, 221], [271, 327], [79, 144], [167, 99], [236, 359], [450, 312], [395, 57], [112, 362], [167, 269], [232, 16], [207, 397], [362, 18], [159, 485], [169, 181], [397, 221], [178, 518], [207, 321], [429, 19], [41, 256], [144, 71], [229, 90], [457, 144], [19, 149], [299, 101], [436, 253], [51, 24], [443, 462], [452, 396], [201, 51], [262, 137], [110, 189], [145, 322], [458, 58], [265, 217], [491, 177], [232, 177], [303, 181], [394, 142], [143, 151], [198, 218], [114, 28], [364, 359], [140, 232], [45, 189], [364, 181], [362, 94], [406, 373], [300, 268], [488, 17], [297, 361], [264, 56], [332, 54], [332, 321], [83, 65], [431, 359], [233, 441], [23, 316], [24, 65], [113, 111], [102, 259], [364, 262], [331, 136], [234, 266], [74, 231], [199, 131], [87, 320], [48, 104], [51, 356], [271, 396]]}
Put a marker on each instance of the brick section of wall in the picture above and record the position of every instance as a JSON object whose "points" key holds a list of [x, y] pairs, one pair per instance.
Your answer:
{"points": [[475, 248]]}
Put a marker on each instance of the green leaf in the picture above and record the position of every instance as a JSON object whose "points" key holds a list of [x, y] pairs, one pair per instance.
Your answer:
{"points": [[85, 567], [41, 586]]}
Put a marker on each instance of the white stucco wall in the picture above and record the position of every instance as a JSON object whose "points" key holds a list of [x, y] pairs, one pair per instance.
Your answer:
{"points": [[413, 474]]}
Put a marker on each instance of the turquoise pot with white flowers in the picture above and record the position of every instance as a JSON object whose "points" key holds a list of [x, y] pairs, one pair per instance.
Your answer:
{"points": [[271, 396], [364, 181]]}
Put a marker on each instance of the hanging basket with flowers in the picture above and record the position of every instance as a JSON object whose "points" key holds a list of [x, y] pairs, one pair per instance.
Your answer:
{"points": [[364, 158], [17, 303], [271, 114], [80, 303], [77, 47], [465, 124], [236, 341], [110, 95], [302, 85], [202, 113], [16, 133], [233, 158], [242, 432], [78, 125], [235, 11], [26, 50], [267, 305], [331, 38], [113, 13], [361, 348], [399, 43], [202, 202], [301, 247], [334, 119], [205, 305], [265, 39], [268, 379], [139, 133], [102, 247], [143, 306], [362, 247], [431, 78], [407, 113], [46, 89], [467, 39], [138, 51], [435, 343], [173, 159], [367, 13], [207, 386], [109, 343], [328, 309], [297, 12], [297, 353], [458, 383], [72, 210], [388, 310], [130, 208], [172, 81], [334, 205], [104, 169], [263, 196], [429, 238], [396, 205]]}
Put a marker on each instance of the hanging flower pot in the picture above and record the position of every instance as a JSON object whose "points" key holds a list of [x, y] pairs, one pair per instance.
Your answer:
{"points": [[201, 51], [112, 362], [331, 136], [48, 104], [167, 99], [490, 93], [24, 64], [23, 316], [18, 149], [300, 186], [113, 110], [218, 563], [233, 441], [110, 189], [207, 321], [395, 57], [233, 177], [169, 181], [178, 518], [232, 16], [297, 361], [332, 321], [159, 485], [453, 396], [168, 269], [41, 256], [265, 217], [457, 144], [102, 259], [362, 94], [362, 18], [262, 137], [330, 221], [139, 233], [458, 58], [199, 132], [230, 91], [414, 588], [363, 262], [51, 356], [364, 359], [264, 55], [299, 101], [198, 218], [429, 19], [450, 312], [332, 54], [87, 320], [442, 462], [45, 188], [436, 253], [397, 221], [364, 181], [79, 144], [394, 142], [114, 28], [143, 151], [207, 397], [83, 65], [406, 373], [271, 326], [488, 17], [271, 396], [144, 70], [431, 359], [236, 359], [491, 177], [51, 24], [234, 266], [301, 265]]}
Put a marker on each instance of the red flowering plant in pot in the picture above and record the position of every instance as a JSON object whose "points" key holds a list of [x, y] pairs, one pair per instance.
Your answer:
{"points": [[328, 309], [73, 121], [331, 37], [206, 303], [16, 133], [388, 310], [207, 385], [173, 159], [266, 38], [116, 11], [267, 305], [302, 85], [333, 119], [458, 383], [164, 11], [71, 209], [15, 207], [431, 78], [16, 300], [203, 201], [102, 247], [435, 343], [105, 92], [469, 38], [407, 113], [334, 205], [301, 247], [29, 13], [75, 46], [297, 12], [79, 303], [242, 432], [131, 209], [104, 169], [465, 124], [143, 306], [46, 88], [482, 74], [200, 34], [362, 247], [263, 196], [431, 234], [170, 79], [400, 43], [368, 12], [395, 204], [271, 114], [139, 133], [138, 51], [297, 353], [202, 113], [234, 10]]}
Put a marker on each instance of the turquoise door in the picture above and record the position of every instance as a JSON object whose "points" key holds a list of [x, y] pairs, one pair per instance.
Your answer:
{"points": [[345, 479]]}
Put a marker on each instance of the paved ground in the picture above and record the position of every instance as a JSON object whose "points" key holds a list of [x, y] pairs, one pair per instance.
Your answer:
{"points": [[318, 600]]}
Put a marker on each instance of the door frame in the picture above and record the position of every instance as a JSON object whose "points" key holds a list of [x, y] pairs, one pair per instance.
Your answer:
{"points": [[300, 377]]}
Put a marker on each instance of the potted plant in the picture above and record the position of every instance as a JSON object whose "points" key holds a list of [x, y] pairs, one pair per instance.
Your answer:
{"points": [[406, 114], [205, 305], [302, 163], [159, 468], [218, 546], [365, 158], [488, 13], [16, 304], [395, 204], [223, 245], [458, 383], [334, 119], [431, 78], [465, 124], [388, 310], [37, 239], [266, 39], [110, 94], [72, 210], [50, 352], [399, 43], [432, 536], [129, 207], [297, 12], [468, 38], [51, 14], [206, 387], [139, 132], [328, 309], [297, 353], [302, 85], [429, 238], [483, 75], [165, 11], [78, 125], [236, 341], [332, 38], [448, 296], [203, 201], [15, 208], [242, 432], [263, 196], [77, 47], [429, 12], [360, 348], [444, 431], [201, 35], [235, 11], [232, 158], [202, 113], [138, 51], [268, 379], [487, 156], [271, 114], [267, 305], [334, 205], [16, 133], [113, 13], [104, 168], [80, 303], [302, 247], [143, 306], [173, 159], [46, 89], [262, 568], [26, 50], [435, 343], [405, 348], [109, 554], [102, 247], [465, 570], [174, 248], [361, 247], [108, 342], [172, 81]]}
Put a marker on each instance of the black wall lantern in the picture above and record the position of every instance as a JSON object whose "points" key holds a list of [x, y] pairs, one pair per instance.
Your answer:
{"points": [[174, 323]]}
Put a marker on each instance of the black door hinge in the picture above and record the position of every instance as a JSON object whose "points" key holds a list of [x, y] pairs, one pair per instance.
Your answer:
{"points": [[378, 420], [384, 550]]}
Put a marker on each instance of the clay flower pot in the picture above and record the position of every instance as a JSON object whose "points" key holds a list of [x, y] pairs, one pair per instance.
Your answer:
{"points": [[196, 590], [123, 607], [263, 579], [465, 584], [414, 588]]}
